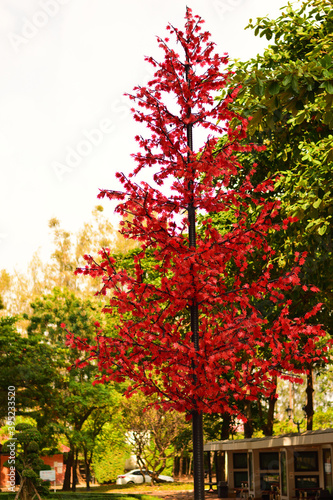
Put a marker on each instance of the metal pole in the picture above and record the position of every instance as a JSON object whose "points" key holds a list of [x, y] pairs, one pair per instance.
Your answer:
{"points": [[197, 427]]}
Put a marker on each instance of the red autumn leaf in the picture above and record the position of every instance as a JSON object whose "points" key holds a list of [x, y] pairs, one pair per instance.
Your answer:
{"points": [[239, 351]]}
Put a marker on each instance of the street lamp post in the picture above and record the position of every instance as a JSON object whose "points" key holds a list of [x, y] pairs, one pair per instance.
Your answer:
{"points": [[197, 423]]}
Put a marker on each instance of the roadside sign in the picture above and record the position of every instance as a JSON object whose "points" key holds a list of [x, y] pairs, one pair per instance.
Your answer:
{"points": [[47, 475]]}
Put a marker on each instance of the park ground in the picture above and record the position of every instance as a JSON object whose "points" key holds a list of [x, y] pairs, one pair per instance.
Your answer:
{"points": [[174, 491]]}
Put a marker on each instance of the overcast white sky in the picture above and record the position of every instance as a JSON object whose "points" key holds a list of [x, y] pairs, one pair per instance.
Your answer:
{"points": [[65, 67]]}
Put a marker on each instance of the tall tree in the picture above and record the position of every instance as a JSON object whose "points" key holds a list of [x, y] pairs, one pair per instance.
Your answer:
{"points": [[27, 462], [194, 337], [19, 289], [288, 92], [25, 364], [96, 426], [72, 400], [152, 432], [111, 450]]}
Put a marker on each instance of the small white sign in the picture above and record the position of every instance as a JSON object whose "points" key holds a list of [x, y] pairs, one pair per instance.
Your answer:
{"points": [[328, 468], [47, 475]]}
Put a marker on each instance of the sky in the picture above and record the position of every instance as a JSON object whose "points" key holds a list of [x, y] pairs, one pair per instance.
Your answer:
{"points": [[65, 125]]}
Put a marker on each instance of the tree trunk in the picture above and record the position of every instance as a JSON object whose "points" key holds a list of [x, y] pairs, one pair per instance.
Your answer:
{"points": [[267, 428], [75, 472], [87, 467], [181, 458], [225, 429], [22, 481], [248, 425], [308, 408], [198, 456], [69, 465], [36, 492]]}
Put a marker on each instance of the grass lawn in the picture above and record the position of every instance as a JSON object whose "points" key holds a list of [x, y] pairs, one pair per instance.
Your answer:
{"points": [[113, 492], [133, 488], [86, 495], [91, 495]]}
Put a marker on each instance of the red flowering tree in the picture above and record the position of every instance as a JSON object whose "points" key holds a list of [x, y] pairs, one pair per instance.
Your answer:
{"points": [[189, 329]]}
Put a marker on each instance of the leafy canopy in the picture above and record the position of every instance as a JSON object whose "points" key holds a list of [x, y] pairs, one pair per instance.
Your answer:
{"points": [[239, 352]]}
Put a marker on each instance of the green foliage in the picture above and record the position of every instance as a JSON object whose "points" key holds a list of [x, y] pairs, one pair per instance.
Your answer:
{"points": [[63, 306], [24, 364], [28, 463], [66, 406], [154, 434], [285, 427], [73, 409], [324, 389], [101, 440], [288, 93], [18, 290], [109, 460], [323, 419]]}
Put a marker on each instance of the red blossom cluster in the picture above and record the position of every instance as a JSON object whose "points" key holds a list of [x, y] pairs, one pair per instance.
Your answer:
{"points": [[240, 351]]}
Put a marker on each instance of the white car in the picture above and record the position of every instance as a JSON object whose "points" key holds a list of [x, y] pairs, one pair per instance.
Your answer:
{"points": [[136, 476]]}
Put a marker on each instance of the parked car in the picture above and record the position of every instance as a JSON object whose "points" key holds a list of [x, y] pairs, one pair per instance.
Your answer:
{"points": [[136, 476]]}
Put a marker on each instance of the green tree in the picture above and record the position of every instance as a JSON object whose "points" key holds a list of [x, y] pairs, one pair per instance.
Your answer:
{"points": [[19, 289], [288, 92], [72, 399], [69, 250], [24, 456], [152, 433], [26, 364], [96, 428], [37, 364], [111, 450]]}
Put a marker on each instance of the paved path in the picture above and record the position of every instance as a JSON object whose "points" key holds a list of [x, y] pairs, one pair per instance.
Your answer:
{"points": [[180, 495]]}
